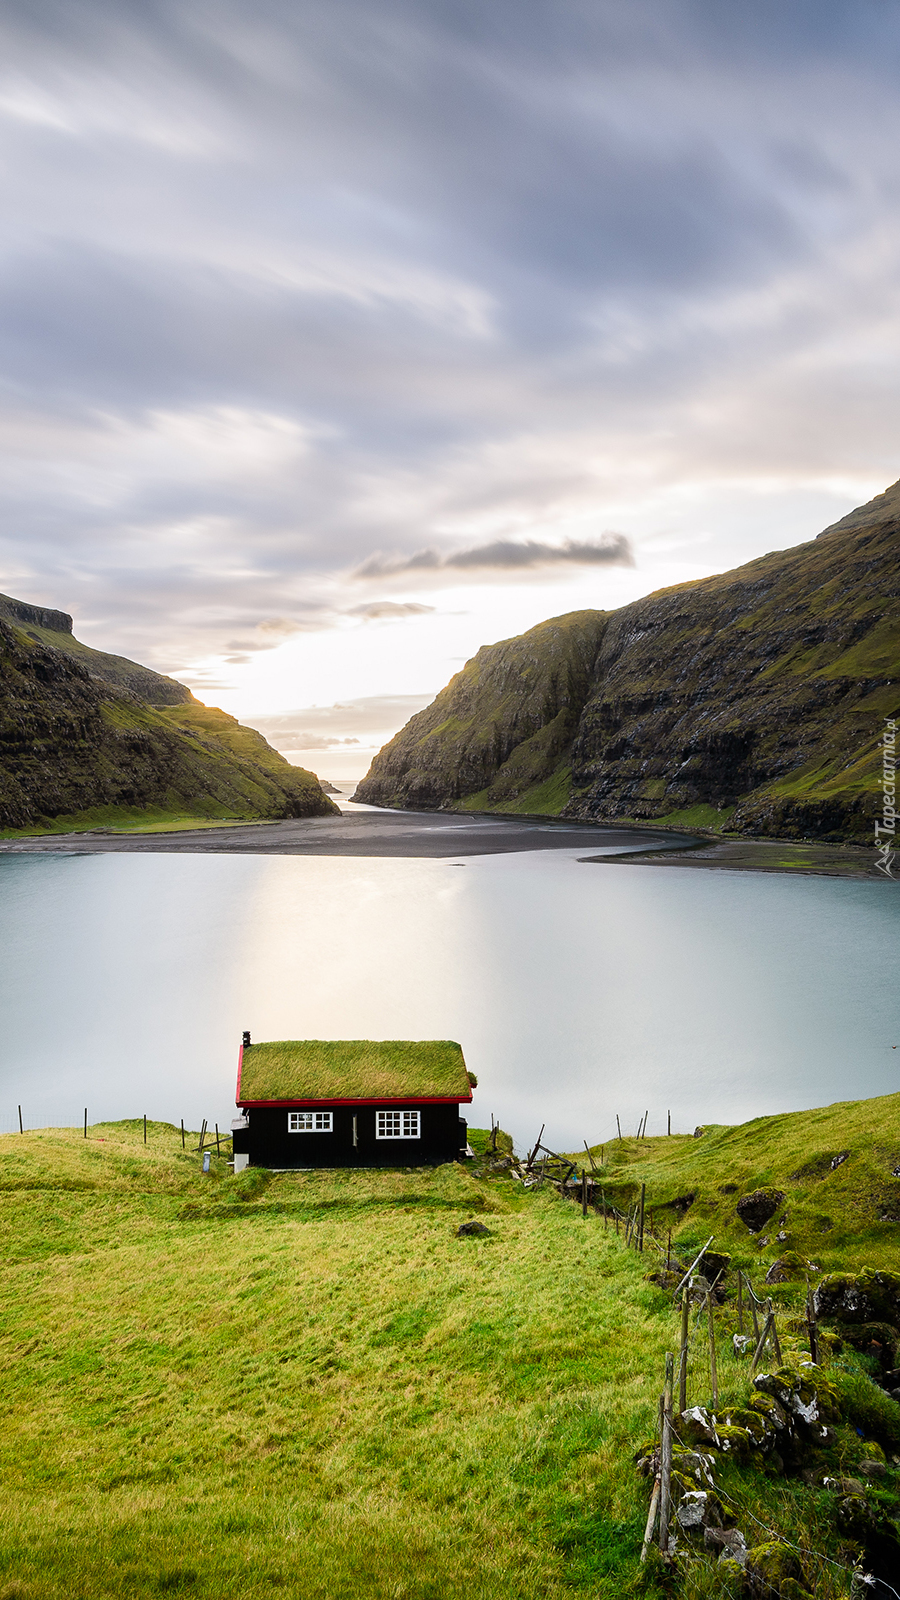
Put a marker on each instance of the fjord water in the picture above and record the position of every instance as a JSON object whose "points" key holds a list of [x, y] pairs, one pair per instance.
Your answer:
{"points": [[577, 990]]}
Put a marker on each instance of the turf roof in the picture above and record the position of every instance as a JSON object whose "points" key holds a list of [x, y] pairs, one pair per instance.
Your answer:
{"points": [[353, 1069]]}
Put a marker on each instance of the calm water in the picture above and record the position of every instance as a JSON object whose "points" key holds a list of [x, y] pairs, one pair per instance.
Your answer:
{"points": [[577, 991]]}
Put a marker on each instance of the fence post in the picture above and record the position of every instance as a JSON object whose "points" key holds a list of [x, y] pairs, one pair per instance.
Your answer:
{"points": [[641, 1222], [21, 1129], [182, 1133], [85, 1122], [145, 1127], [202, 1135], [618, 1125], [740, 1303], [665, 1492], [775, 1345]]}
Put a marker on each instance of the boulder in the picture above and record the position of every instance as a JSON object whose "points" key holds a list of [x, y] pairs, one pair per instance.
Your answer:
{"points": [[774, 1569], [730, 1543], [468, 1230], [698, 1510], [756, 1209], [854, 1298], [788, 1266]]}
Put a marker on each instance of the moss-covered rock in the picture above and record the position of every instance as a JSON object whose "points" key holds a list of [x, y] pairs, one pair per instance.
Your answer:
{"points": [[774, 1569], [849, 1299]]}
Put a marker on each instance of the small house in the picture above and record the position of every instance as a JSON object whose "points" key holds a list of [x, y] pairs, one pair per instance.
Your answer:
{"points": [[350, 1103]]}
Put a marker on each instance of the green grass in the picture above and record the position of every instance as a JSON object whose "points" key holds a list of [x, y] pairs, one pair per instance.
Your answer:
{"points": [[131, 819], [307, 1383], [834, 1217], [327, 1069]]}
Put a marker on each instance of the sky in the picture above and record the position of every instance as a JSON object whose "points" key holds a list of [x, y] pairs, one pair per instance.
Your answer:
{"points": [[341, 337]]}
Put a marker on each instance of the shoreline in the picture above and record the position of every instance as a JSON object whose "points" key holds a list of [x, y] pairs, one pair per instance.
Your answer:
{"points": [[756, 855], [442, 834]]}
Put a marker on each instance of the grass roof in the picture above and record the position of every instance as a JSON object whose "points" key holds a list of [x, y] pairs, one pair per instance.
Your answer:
{"points": [[353, 1069]]}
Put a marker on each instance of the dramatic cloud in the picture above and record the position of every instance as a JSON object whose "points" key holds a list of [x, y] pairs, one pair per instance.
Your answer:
{"points": [[503, 556], [289, 284]]}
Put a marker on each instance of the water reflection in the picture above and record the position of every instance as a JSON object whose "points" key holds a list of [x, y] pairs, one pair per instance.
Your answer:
{"points": [[576, 991]]}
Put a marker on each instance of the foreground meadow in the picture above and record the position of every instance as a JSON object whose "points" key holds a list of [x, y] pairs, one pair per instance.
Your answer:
{"points": [[309, 1383]]}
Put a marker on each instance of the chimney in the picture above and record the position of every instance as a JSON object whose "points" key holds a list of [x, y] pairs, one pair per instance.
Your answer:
{"points": [[246, 1040]]}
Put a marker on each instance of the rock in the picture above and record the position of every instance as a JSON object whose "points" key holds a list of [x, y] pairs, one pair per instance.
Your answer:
{"points": [[699, 1132], [696, 1511], [873, 1469], [757, 1208], [867, 1296], [838, 1160], [771, 1568], [698, 1427], [713, 1264], [729, 1541], [789, 1265], [469, 1230]]}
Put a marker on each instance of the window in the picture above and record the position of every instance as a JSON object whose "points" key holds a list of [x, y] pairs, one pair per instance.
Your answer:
{"points": [[397, 1124], [310, 1122]]}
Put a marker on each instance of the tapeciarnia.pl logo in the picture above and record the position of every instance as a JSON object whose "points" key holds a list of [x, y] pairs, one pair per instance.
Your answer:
{"points": [[888, 824]]}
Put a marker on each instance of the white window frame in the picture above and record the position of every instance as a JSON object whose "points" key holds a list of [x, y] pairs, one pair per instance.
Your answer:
{"points": [[398, 1124], [310, 1122]]}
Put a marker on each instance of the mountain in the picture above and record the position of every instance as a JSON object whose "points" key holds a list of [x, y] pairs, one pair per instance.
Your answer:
{"points": [[752, 701], [88, 738]]}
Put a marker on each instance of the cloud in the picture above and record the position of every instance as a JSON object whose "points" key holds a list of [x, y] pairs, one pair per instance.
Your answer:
{"points": [[390, 608], [505, 556], [285, 286], [365, 724]]}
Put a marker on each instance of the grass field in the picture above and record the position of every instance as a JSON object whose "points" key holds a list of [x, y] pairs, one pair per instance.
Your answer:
{"points": [[308, 1384]]}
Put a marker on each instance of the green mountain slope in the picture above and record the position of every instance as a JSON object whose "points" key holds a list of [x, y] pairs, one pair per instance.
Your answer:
{"points": [[754, 700], [88, 738]]}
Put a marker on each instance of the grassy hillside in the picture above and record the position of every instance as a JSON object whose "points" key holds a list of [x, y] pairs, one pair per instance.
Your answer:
{"points": [[308, 1383], [751, 702], [91, 740], [838, 1217]]}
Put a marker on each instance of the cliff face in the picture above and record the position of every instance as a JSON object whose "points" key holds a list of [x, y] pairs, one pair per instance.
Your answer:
{"points": [[83, 733], [753, 700]]}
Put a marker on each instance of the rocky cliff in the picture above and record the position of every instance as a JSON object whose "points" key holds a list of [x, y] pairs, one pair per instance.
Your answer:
{"points": [[87, 737], [752, 701]]}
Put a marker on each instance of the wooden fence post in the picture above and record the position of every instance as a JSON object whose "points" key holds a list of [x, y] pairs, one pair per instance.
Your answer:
{"points": [[21, 1129], [182, 1133], [762, 1339], [618, 1125], [665, 1492], [202, 1135], [775, 1345], [218, 1151], [668, 1122], [85, 1122], [641, 1222], [145, 1128], [740, 1303]]}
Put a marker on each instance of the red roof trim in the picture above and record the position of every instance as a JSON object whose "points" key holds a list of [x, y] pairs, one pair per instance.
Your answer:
{"points": [[395, 1100]]}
